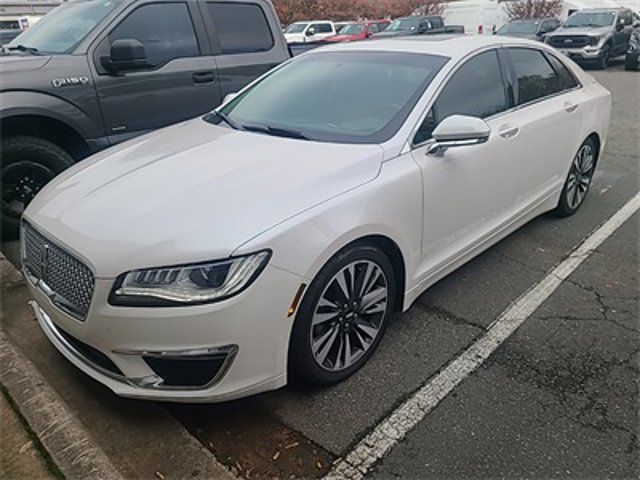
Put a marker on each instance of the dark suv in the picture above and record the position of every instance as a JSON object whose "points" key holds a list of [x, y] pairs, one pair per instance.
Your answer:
{"points": [[93, 73], [593, 36]]}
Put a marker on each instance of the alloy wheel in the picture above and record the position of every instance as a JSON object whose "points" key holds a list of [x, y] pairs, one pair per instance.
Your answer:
{"points": [[580, 176], [349, 315]]}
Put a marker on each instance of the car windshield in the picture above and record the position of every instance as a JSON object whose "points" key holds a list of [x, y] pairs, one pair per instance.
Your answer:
{"points": [[525, 27], [352, 29], [296, 28], [322, 96], [402, 24], [590, 19], [60, 30]]}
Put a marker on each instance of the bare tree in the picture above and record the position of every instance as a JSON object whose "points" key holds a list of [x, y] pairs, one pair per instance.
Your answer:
{"points": [[521, 9]]}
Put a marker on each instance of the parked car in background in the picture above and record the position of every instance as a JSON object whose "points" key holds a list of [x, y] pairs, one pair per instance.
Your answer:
{"points": [[359, 30], [7, 35], [312, 31], [340, 25], [531, 28], [594, 36], [633, 51], [279, 234], [126, 68], [414, 25]]}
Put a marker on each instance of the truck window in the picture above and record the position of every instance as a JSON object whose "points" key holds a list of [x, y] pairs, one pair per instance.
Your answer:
{"points": [[241, 27], [165, 30]]}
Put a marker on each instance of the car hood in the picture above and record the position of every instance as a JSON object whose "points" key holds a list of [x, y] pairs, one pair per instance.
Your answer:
{"points": [[395, 33], [17, 62], [343, 38], [295, 37], [191, 192], [528, 36], [590, 31]]}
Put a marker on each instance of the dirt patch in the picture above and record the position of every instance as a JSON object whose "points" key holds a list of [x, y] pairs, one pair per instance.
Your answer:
{"points": [[251, 443]]}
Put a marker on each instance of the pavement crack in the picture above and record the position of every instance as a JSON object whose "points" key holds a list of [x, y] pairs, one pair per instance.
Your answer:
{"points": [[452, 317]]}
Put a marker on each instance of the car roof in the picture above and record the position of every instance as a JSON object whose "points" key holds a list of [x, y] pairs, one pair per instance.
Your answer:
{"points": [[451, 45]]}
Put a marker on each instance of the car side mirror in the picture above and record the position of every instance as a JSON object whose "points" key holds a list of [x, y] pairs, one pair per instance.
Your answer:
{"points": [[636, 25], [620, 25], [458, 131], [126, 54], [311, 32]]}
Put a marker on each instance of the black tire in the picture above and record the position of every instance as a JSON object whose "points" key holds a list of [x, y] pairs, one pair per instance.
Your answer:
{"points": [[630, 63], [27, 164], [303, 366], [603, 60], [566, 205]]}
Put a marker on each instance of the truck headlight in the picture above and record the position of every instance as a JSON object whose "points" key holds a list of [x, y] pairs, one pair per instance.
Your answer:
{"points": [[188, 284], [593, 41]]}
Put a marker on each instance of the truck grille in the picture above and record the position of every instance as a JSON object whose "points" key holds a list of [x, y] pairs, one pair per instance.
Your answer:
{"points": [[66, 280], [569, 41]]}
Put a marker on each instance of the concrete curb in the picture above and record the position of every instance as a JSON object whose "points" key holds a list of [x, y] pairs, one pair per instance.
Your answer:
{"points": [[65, 438]]}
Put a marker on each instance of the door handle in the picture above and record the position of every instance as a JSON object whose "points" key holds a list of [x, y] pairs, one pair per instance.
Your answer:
{"points": [[570, 107], [509, 131], [203, 77]]}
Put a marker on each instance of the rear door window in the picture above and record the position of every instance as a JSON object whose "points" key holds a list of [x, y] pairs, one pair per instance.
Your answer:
{"points": [[567, 80], [535, 78], [241, 27]]}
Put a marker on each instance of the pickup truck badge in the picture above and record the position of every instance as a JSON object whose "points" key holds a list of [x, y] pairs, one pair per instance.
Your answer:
{"points": [[65, 81]]}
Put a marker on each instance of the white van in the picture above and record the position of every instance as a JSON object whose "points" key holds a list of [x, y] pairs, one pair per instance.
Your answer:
{"points": [[477, 16], [311, 31]]}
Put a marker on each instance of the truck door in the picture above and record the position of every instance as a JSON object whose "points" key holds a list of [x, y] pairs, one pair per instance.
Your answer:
{"points": [[246, 39], [179, 80]]}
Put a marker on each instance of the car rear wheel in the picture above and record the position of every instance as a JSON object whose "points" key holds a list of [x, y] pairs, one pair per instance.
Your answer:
{"points": [[343, 316], [579, 179], [28, 164]]}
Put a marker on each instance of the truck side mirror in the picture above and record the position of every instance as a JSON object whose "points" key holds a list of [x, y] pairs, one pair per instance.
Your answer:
{"points": [[311, 32], [126, 54]]}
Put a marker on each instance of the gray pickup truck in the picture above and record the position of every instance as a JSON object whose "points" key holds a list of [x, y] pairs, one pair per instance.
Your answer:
{"points": [[93, 73], [594, 36]]}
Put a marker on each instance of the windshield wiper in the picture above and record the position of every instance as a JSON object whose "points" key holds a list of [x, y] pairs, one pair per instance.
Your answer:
{"points": [[23, 48], [276, 131], [225, 118]]}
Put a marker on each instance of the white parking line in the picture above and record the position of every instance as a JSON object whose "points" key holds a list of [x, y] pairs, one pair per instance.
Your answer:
{"points": [[404, 418]]}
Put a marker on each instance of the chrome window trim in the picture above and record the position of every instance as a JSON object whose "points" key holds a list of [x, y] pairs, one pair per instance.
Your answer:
{"points": [[412, 146]]}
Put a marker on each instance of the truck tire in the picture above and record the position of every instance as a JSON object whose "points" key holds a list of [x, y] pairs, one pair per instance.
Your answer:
{"points": [[603, 60], [26, 165]]}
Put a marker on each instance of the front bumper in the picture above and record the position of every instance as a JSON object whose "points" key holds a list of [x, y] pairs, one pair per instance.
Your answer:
{"points": [[246, 337], [584, 54]]}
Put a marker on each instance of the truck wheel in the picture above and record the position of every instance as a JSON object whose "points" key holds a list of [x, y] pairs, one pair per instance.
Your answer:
{"points": [[603, 61], [27, 165], [630, 63]]}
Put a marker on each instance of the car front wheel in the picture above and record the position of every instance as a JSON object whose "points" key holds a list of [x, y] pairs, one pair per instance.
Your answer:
{"points": [[343, 316], [577, 184]]}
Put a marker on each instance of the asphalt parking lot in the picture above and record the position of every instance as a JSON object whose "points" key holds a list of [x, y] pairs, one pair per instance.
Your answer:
{"points": [[558, 399]]}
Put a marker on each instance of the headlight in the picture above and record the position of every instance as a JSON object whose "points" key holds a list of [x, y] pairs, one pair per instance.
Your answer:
{"points": [[595, 40], [188, 284]]}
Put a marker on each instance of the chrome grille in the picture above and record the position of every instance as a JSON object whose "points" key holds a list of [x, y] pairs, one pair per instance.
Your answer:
{"points": [[569, 41], [65, 279]]}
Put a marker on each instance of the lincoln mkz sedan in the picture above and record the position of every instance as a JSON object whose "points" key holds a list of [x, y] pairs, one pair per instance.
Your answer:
{"points": [[277, 236]]}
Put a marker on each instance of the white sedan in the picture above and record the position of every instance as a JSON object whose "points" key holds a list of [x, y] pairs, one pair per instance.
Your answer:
{"points": [[277, 235]]}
